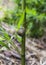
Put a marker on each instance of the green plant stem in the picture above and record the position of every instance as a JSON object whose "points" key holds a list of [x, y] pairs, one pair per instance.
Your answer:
{"points": [[23, 37]]}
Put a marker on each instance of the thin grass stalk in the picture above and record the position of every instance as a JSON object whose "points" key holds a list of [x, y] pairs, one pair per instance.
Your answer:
{"points": [[24, 34]]}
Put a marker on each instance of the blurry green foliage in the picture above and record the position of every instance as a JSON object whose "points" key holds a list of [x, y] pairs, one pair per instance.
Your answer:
{"points": [[35, 20], [35, 16]]}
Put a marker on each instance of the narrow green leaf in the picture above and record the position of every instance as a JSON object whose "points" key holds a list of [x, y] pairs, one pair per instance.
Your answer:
{"points": [[1, 39], [31, 11], [21, 20], [3, 44]]}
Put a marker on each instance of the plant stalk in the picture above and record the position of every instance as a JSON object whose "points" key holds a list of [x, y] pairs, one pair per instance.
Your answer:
{"points": [[24, 34]]}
